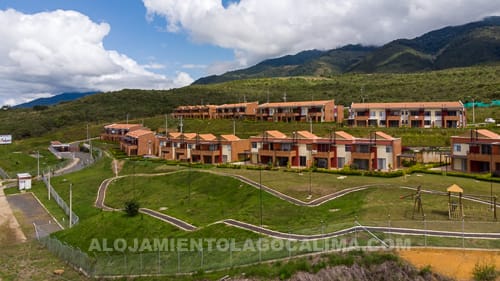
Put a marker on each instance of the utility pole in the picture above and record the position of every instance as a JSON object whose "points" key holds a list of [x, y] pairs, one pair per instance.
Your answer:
{"points": [[166, 124], [260, 194], [38, 163], [90, 142], [181, 124], [234, 126], [48, 186]]}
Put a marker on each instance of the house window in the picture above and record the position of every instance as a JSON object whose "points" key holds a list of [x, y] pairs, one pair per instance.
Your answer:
{"points": [[373, 114], [254, 145], [427, 122], [348, 148], [286, 147], [457, 148], [413, 113], [303, 161], [388, 149], [427, 113], [381, 163]]}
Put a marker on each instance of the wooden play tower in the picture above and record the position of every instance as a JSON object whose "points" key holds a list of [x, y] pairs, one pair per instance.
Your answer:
{"points": [[455, 208]]}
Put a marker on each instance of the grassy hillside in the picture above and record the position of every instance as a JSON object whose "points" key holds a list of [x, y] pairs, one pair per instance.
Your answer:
{"points": [[454, 84]]}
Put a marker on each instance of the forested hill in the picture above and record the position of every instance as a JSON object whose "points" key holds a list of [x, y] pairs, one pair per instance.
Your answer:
{"points": [[455, 46]]}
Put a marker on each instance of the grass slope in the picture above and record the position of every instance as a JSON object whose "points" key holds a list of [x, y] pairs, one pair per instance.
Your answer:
{"points": [[451, 84]]}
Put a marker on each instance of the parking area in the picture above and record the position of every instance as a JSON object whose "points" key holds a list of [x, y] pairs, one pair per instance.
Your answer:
{"points": [[32, 212]]}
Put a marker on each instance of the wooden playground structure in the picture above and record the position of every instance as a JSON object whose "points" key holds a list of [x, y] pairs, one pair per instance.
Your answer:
{"points": [[455, 201]]}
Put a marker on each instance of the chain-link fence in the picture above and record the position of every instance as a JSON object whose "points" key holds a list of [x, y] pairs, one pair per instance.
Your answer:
{"points": [[53, 193], [168, 256]]}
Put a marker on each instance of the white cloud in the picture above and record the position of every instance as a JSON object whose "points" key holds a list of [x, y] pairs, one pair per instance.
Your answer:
{"points": [[60, 51], [258, 29], [194, 66]]}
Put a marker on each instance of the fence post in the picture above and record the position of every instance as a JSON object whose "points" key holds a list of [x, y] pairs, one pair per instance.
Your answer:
{"points": [[425, 232], [159, 262], [178, 261], [201, 263]]}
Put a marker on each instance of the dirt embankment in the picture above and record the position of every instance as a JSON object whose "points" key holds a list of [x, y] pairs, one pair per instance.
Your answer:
{"points": [[389, 270], [457, 264]]}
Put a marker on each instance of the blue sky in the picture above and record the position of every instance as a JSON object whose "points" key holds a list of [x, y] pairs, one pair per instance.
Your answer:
{"points": [[54, 46]]}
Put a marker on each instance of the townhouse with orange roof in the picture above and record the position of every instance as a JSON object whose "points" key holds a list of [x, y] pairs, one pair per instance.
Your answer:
{"points": [[304, 149], [236, 110], [202, 148], [138, 142], [302, 111], [195, 111], [116, 131], [446, 114], [476, 151]]}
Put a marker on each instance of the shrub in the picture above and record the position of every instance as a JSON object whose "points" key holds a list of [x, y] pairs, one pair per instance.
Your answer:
{"points": [[484, 272], [132, 208]]}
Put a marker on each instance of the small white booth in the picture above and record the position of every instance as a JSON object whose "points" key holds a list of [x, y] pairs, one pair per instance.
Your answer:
{"points": [[24, 181]]}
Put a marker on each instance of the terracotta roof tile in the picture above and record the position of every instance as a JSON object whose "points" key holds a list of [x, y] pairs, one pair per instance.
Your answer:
{"points": [[121, 126], [295, 103], [231, 105], [138, 133], [276, 134], [344, 135], [207, 137], [230, 137], [307, 135], [189, 135], [489, 134], [384, 135]]}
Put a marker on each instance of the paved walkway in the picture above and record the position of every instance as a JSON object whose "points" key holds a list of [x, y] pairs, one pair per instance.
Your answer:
{"points": [[290, 236]]}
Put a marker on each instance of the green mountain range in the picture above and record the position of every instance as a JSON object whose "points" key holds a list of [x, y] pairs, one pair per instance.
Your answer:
{"points": [[455, 46]]}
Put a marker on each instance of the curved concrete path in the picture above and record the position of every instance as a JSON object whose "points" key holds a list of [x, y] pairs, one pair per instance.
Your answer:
{"points": [[101, 195]]}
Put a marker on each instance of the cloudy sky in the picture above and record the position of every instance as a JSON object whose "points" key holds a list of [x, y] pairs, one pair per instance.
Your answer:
{"points": [[54, 46]]}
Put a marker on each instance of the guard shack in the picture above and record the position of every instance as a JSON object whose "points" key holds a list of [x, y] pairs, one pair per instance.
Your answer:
{"points": [[455, 207], [24, 181]]}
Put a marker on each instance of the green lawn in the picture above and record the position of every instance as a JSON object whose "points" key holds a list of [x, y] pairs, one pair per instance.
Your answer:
{"points": [[213, 198], [21, 157], [297, 185]]}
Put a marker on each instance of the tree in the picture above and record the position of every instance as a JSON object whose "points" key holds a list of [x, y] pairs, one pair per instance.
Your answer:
{"points": [[132, 208]]}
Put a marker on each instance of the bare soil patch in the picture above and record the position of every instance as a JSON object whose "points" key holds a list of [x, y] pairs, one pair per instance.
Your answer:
{"points": [[457, 264]]}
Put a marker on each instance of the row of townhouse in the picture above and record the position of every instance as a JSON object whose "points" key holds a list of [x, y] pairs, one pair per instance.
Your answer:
{"points": [[408, 114], [316, 111], [300, 149], [476, 151], [303, 149]]}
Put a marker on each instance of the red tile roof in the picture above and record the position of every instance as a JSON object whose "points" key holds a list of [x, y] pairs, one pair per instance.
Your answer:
{"points": [[139, 133], [231, 105], [295, 103], [121, 126], [207, 137], [276, 134], [344, 135], [307, 135], [488, 134], [384, 135], [230, 137]]}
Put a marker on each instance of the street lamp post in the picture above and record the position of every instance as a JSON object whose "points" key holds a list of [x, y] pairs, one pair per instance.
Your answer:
{"points": [[38, 163], [260, 193], [70, 205], [473, 110]]}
